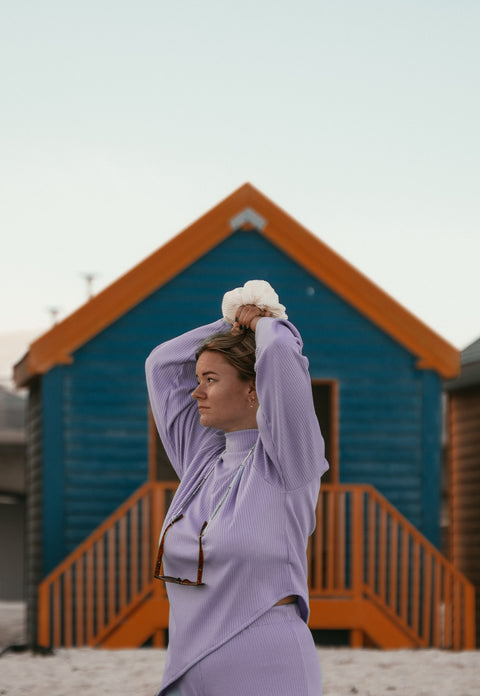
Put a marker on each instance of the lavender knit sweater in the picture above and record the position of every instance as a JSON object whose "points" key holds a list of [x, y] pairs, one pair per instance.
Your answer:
{"points": [[254, 549]]}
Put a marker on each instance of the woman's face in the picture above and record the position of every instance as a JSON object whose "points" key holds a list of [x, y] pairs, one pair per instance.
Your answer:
{"points": [[224, 400]]}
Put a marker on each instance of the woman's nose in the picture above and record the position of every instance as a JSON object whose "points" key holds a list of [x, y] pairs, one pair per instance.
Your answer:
{"points": [[197, 392]]}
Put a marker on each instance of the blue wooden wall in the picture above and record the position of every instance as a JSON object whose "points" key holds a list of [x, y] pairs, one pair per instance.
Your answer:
{"points": [[96, 410]]}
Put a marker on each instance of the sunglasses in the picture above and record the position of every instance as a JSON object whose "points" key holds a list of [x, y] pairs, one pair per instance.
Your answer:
{"points": [[158, 566], [180, 581]]}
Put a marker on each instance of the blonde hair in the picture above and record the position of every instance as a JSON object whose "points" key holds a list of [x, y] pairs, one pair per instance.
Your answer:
{"points": [[237, 349]]}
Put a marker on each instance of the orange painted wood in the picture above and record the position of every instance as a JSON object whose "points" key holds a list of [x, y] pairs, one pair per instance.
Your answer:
{"points": [[122, 561], [67, 618], [139, 626], [79, 585], [319, 549], [157, 516], [357, 536], [359, 615], [57, 345], [437, 619], [382, 554], [469, 626], [122, 615], [100, 531], [133, 557], [447, 598], [341, 552], [100, 593], [152, 446], [457, 624], [393, 585], [357, 638], [404, 594], [43, 628], [372, 543], [449, 608], [57, 613], [111, 574], [159, 638], [331, 542], [415, 600], [89, 600], [147, 563], [427, 601]]}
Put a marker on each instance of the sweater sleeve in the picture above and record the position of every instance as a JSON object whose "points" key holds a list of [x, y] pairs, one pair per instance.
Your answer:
{"points": [[170, 373], [286, 417]]}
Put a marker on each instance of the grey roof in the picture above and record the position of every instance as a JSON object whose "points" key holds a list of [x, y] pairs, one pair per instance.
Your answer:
{"points": [[470, 374], [471, 353]]}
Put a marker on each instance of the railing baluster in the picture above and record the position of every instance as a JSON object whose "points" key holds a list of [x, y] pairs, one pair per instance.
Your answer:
{"points": [[122, 562], [404, 594], [79, 593], [147, 559], [341, 543], [427, 599], [100, 584], [448, 608], [393, 584], [111, 574], [382, 554], [331, 539], [134, 552], [415, 599], [456, 618], [68, 608], [362, 548], [90, 596], [57, 612], [437, 605], [357, 542], [319, 549], [372, 544]]}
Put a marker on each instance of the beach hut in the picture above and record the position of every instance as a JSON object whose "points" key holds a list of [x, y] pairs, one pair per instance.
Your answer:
{"points": [[99, 485], [464, 469]]}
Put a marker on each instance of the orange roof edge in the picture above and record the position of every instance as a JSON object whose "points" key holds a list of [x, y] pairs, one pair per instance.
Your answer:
{"points": [[57, 345]]}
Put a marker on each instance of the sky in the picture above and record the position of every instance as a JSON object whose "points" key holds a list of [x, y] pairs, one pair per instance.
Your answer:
{"points": [[123, 122]]}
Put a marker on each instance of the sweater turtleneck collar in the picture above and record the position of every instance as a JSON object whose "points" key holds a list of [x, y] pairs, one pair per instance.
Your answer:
{"points": [[240, 440]]}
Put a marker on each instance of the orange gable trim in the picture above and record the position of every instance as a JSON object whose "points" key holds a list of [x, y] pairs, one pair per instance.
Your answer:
{"points": [[57, 345]]}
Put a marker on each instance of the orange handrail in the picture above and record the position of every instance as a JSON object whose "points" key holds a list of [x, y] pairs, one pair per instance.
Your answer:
{"points": [[389, 562], [362, 550], [103, 577]]}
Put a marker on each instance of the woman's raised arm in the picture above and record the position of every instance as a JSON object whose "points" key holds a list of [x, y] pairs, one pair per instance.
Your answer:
{"points": [[170, 373]]}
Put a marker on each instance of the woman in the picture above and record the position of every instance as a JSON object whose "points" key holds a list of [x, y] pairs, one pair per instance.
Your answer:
{"points": [[249, 454]]}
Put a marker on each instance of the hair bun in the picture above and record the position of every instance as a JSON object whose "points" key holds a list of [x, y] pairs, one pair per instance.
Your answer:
{"points": [[254, 292]]}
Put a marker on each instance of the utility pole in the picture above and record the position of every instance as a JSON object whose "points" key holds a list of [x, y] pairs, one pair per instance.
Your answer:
{"points": [[54, 312], [89, 278]]}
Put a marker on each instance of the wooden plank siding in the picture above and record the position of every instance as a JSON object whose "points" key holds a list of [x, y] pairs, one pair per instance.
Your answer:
{"points": [[464, 483], [96, 448], [34, 509]]}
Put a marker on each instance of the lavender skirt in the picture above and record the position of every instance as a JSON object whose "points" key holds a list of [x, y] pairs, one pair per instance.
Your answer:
{"points": [[274, 656]]}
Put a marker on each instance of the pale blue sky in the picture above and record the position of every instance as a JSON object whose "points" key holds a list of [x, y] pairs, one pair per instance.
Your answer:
{"points": [[122, 122]]}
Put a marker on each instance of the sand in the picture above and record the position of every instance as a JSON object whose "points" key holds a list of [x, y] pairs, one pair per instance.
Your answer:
{"points": [[88, 672]]}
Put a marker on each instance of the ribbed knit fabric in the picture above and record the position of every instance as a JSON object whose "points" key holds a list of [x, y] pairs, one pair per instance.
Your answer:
{"points": [[274, 656], [255, 548]]}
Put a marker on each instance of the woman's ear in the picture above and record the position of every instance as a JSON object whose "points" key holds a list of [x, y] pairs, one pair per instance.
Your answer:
{"points": [[252, 395]]}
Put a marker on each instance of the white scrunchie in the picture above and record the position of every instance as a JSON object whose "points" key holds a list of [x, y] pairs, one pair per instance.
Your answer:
{"points": [[254, 292]]}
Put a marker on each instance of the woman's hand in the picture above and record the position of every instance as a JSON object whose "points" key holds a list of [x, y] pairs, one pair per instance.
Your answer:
{"points": [[247, 317]]}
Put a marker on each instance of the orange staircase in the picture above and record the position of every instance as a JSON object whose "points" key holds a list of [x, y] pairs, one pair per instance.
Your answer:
{"points": [[371, 573]]}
